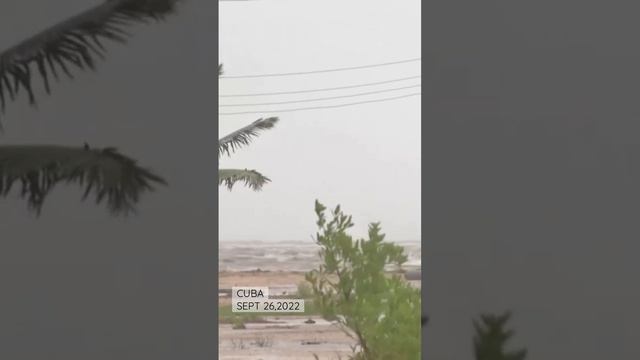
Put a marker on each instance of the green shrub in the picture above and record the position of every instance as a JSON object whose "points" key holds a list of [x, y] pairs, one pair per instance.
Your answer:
{"points": [[382, 313], [304, 290]]}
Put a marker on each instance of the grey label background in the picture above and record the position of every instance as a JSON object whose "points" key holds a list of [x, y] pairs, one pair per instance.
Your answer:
{"points": [[531, 173]]}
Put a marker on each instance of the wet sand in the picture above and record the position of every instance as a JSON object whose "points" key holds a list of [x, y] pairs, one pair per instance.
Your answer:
{"points": [[285, 338], [228, 279], [279, 282]]}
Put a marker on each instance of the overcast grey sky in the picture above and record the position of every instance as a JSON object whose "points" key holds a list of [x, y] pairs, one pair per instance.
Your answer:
{"points": [[77, 283], [366, 157]]}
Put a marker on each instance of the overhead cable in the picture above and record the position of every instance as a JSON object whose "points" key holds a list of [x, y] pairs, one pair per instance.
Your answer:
{"points": [[320, 71], [321, 107], [321, 89], [321, 99]]}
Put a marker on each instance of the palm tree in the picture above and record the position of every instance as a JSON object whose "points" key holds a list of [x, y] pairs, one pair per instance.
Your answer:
{"points": [[491, 337], [235, 140], [74, 44]]}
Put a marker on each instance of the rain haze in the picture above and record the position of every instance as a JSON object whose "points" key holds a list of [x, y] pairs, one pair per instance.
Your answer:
{"points": [[365, 157]]}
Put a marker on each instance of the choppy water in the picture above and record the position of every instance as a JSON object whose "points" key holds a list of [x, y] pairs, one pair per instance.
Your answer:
{"points": [[286, 255]]}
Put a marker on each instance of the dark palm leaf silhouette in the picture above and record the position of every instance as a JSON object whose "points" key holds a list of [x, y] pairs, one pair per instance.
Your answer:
{"points": [[236, 140], [492, 336], [74, 44], [110, 175]]}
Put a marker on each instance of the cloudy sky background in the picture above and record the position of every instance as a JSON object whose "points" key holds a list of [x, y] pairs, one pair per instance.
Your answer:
{"points": [[365, 157]]}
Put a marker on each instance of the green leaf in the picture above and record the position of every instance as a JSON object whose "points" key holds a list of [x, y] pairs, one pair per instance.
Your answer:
{"points": [[243, 136], [250, 178], [382, 313]]}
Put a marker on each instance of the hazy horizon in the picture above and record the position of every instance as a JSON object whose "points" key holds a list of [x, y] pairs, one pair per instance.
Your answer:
{"points": [[399, 241]]}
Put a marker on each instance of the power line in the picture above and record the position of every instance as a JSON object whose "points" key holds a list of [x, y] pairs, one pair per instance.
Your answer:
{"points": [[320, 71], [323, 89], [321, 107], [325, 98]]}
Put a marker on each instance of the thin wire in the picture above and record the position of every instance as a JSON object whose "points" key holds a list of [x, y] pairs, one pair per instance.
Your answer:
{"points": [[325, 98], [320, 71], [323, 89], [321, 107]]}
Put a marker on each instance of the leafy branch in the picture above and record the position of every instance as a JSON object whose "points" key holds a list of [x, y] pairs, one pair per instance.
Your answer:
{"points": [[236, 140], [73, 43], [243, 136], [106, 173]]}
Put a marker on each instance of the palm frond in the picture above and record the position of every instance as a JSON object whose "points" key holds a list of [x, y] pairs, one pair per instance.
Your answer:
{"points": [[243, 136], [76, 42], [250, 178], [110, 175]]}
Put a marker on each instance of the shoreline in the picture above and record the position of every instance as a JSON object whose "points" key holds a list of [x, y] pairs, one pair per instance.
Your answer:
{"points": [[284, 282]]}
